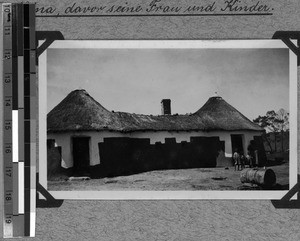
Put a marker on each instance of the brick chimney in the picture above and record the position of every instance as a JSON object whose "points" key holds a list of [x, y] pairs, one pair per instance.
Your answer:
{"points": [[166, 107]]}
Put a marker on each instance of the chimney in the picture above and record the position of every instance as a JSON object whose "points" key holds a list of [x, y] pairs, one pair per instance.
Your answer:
{"points": [[166, 107]]}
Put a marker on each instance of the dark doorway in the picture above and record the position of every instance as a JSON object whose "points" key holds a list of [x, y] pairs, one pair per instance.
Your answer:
{"points": [[81, 155], [237, 143]]}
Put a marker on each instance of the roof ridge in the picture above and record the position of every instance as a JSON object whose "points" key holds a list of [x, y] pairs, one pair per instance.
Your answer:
{"points": [[88, 114]]}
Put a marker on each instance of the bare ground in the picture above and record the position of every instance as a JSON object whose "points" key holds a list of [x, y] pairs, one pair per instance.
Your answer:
{"points": [[171, 180]]}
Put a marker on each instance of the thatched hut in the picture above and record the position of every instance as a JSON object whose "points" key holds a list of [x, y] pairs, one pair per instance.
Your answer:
{"points": [[116, 143]]}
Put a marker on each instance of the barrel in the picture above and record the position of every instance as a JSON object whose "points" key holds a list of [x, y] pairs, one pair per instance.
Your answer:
{"points": [[261, 177]]}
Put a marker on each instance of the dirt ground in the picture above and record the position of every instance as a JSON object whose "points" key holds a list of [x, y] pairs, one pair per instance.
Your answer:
{"points": [[167, 219], [171, 180]]}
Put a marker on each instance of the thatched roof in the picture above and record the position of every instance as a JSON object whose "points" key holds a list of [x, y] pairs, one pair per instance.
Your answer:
{"points": [[80, 112], [216, 113]]}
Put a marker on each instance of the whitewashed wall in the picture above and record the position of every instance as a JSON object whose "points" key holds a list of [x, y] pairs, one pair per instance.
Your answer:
{"points": [[65, 141]]}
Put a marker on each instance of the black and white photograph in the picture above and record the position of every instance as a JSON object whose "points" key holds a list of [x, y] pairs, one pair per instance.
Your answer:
{"points": [[166, 116]]}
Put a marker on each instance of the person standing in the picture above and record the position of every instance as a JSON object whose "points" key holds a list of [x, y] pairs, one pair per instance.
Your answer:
{"points": [[249, 159], [237, 160], [242, 158]]}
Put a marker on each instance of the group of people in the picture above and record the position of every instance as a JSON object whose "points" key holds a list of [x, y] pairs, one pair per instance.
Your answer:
{"points": [[240, 160]]}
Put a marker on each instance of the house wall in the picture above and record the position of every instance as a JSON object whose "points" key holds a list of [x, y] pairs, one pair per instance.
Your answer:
{"points": [[127, 156], [64, 140]]}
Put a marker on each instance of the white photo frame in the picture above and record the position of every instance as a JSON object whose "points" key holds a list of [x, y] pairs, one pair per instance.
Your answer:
{"points": [[167, 44]]}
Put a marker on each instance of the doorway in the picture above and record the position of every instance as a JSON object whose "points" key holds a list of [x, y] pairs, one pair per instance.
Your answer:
{"points": [[81, 155], [237, 144]]}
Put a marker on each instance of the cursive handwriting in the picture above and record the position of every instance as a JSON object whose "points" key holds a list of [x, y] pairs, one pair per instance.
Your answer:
{"points": [[157, 7], [236, 6], [75, 8], [203, 8], [160, 7], [45, 10]]}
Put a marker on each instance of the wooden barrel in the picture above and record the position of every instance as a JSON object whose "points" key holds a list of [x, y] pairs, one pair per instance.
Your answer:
{"points": [[262, 177]]}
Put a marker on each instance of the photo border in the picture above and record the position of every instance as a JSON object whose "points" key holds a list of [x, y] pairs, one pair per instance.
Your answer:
{"points": [[168, 195]]}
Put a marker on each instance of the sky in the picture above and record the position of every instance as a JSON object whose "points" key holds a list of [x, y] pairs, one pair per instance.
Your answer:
{"points": [[253, 81]]}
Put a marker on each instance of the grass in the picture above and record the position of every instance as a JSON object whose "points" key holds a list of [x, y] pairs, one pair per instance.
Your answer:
{"points": [[172, 180]]}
